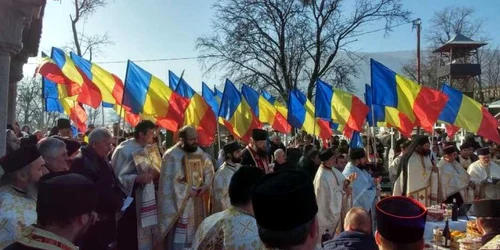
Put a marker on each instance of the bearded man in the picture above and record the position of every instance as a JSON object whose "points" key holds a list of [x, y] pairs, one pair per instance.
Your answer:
{"points": [[418, 177], [222, 178], [454, 181], [485, 174], [364, 190], [466, 155], [185, 180], [255, 154], [18, 191]]}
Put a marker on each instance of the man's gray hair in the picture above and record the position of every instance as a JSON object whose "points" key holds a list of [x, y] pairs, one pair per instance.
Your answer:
{"points": [[278, 152], [50, 147], [98, 134]]}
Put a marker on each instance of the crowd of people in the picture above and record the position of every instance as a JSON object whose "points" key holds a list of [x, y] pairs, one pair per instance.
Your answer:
{"points": [[94, 191]]}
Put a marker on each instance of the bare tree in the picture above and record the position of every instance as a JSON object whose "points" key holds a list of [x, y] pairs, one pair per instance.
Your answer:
{"points": [[30, 106], [452, 20], [283, 44], [444, 25], [84, 43]]}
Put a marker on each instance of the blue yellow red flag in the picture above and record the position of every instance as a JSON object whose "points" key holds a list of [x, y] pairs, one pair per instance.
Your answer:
{"points": [[236, 113]]}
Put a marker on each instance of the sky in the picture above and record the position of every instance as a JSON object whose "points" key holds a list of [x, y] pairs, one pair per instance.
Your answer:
{"points": [[156, 29]]}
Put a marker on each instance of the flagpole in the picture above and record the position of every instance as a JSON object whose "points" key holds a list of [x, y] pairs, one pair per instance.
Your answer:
{"points": [[373, 133], [102, 111], [123, 97]]}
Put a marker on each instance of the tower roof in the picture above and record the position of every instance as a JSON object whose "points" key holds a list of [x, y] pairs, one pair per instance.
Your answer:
{"points": [[459, 41]]}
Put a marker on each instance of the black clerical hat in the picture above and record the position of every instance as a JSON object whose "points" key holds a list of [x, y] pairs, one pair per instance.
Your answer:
{"points": [[401, 219], [326, 154], [231, 147], [357, 153], [259, 134], [487, 208], [19, 158], [63, 123], [483, 151], [64, 195], [284, 200]]}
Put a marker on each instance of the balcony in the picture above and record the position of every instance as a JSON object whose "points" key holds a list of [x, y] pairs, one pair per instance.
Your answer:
{"points": [[459, 70]]}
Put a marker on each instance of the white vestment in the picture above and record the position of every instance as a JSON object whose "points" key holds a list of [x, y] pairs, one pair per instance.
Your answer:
{"points": [[17, 212], [125, 169], [220, 194], [331, 199], [479, 175], [232, 228], [179, 214], [422, 182], [453, 179]]}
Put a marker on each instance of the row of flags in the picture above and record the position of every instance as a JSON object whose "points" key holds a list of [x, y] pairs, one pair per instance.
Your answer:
{"points": [[391, 101]]}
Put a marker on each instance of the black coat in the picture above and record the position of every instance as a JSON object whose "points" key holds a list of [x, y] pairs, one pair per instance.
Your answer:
{"points": [[351, 240], [89, 164]]}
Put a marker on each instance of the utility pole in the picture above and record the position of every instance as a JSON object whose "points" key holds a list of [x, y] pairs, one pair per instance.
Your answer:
{"points": [[417, 24]]}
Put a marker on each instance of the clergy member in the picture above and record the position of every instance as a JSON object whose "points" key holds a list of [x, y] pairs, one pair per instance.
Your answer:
{"points": [[130, 232], [488, 219], [18, 191], [65, 208], [64, 128], [255, 153], [402, 144], [364, 190], [332, 192], [465, 157], [235, 227], [222, 177], [454, 181], [484, 173], [400, 224], [285, 210], [418, 176], [185, 181]]}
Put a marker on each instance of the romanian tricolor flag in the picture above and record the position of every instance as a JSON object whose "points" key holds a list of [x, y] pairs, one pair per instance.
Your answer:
{"points": [[282, 108], [198, 113], [264, 110], [422, 105], [218, 94], [465, 112], [236, 113], [339, 106], [386, 116], [110, 86], [90, 94], [49, 69], [210, 98], [301, 116], [54, 103], [148, 95]]}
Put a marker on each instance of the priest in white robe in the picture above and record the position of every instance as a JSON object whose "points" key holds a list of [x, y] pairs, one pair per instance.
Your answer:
{"points": [[222, 177], [235, 227], [418, 177], [22, 170], [186, 177], [394, 165], [333, 191], [485, 174], [466, 155], [454, 181], [132, 231]]}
